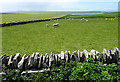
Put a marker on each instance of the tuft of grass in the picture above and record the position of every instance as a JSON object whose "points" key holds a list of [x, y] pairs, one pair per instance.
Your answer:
{"points": [[71, 35]]}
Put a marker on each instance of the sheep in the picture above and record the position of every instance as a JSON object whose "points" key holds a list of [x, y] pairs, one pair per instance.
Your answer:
{"points": [[86, 20], [57, 24], [46, 25]]}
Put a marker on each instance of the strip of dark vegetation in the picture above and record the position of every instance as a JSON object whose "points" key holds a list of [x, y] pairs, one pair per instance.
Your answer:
{"points": [[68, 71], [25, 22]]}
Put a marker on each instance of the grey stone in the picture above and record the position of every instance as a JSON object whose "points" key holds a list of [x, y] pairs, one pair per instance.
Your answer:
{"points": [[78, 55], [117, 54], [31, 61], [44, 61], [59, 58], [51, 59], [40, 62], [26, 62], [67, 56], [97, 58], [104, 55], [47, 59], [4, 60], [16, 59], [36, 60], [21, 63], [82, 57], [10, 62], [56, 59], [75, 56], [92, 54], [85, 52], [62, 55]]}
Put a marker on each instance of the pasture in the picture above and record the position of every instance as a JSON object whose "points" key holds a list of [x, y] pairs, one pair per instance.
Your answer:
{"points": [[74, 34]]}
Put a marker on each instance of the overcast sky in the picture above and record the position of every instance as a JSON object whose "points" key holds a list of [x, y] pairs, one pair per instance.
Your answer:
{"points": [[58, 5]]}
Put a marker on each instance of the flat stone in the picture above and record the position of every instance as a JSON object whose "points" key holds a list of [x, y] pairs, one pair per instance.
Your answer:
{"points": [[86, 54], [40, 62], [62, 55], [92, 53], [21, 63], [51, 59], [75, 56], [4, 60], [16, 59], [59, 58], [10, 61], [36, 60], [56, 59], [47, 59], [78, 55], [26, 60], [67, 56], [31, 61]]}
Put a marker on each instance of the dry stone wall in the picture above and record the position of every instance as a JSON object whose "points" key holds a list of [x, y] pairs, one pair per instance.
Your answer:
{"points": [[37, 61], [25, 22]]}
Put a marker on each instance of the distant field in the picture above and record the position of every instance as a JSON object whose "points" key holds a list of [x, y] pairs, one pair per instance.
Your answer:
{"points": [[76, 34], [114, 14], [6, 18]]}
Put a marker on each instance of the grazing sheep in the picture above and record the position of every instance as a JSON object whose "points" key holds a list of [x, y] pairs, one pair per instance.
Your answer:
{"points": [[46, 25], [57, 24], [86, 20]]}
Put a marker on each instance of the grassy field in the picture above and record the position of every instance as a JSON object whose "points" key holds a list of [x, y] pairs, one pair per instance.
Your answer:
{"points": [[72, 35], [6, 18], [113, 14]]}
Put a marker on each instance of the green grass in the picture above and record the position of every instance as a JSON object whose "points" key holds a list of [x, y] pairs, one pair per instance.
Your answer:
{"points": [[6, 18], [113, 14], [72, 35]]}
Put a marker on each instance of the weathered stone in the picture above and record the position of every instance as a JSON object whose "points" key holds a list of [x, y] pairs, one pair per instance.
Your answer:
{"points": [[56, 59], [10, 62], [51, 60], [36, 60], [79, 54], [31, 61], [47, 59], [75, 56], [67, 56], [44, 61], [62, 55], [21, 63], [59, 58], [92, 54], [117, 54], [86, 54], [104, 50], [82, 57], [40, 62], [4, 60], [16, 59], [26, 62], [97, 58]]}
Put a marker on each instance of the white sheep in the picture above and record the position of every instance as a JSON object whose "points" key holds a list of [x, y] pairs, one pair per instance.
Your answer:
{"points": [[86, 20], [46, 25], [57, 24]]}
